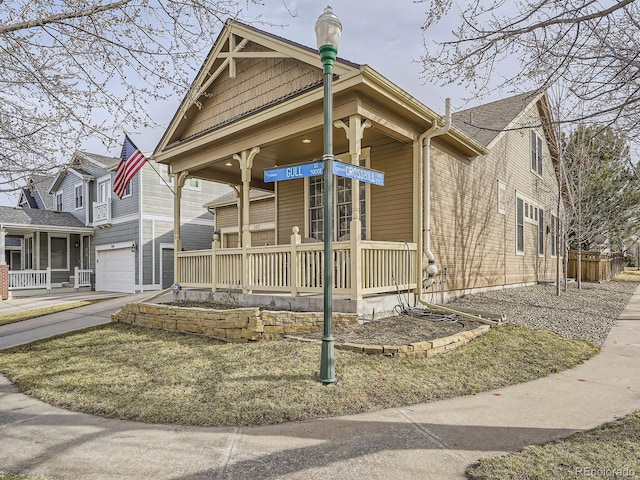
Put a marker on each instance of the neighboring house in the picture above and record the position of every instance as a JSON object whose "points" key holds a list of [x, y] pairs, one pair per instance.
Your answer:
{"points": [[479, 204], [262, 216], [121, 245]]}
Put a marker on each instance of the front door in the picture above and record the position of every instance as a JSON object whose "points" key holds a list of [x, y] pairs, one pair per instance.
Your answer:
{"points": [[167, 267]]}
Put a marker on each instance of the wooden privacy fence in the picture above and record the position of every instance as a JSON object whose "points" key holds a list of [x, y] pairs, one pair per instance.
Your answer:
{"points": [[595, 266]]}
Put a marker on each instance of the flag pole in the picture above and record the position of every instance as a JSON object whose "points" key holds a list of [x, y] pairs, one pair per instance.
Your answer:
{"points": [[155, 170]]}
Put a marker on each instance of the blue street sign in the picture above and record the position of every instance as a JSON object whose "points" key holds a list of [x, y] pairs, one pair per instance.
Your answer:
{"points": [[358, 173], [291, 172]]}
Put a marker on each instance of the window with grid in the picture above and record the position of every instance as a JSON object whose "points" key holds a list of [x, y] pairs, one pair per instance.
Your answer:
{"points": [[553, 227], [316, 212], [536, 153], [78, 196], [519, 225], [343, 212], [540, 232]]}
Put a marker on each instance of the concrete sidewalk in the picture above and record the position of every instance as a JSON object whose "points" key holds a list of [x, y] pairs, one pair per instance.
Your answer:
{"points": [[66, 321], [430, 441]]}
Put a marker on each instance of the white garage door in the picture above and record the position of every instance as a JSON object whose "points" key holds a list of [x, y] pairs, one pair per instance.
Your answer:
{"points": [[115, 270]]}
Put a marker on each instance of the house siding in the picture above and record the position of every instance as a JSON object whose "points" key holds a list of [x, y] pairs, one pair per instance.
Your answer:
{"points": [[258, 82], [128, 205], [391, 210], [290, 211], [67, 186], [473, 241]]}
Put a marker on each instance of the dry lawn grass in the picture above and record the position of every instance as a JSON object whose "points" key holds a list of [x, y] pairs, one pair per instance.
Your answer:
{"points": [[609, 451], [158, 377]]}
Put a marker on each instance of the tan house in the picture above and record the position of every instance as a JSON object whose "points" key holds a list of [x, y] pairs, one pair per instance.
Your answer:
{"points": [[473, 199], [228, 218]]}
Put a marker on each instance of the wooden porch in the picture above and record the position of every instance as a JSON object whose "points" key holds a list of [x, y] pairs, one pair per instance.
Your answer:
{"points": [[361, 268]]}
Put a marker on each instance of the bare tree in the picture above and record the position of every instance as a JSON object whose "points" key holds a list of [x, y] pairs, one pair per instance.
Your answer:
{"points": [[73, 70], [591, 48]]}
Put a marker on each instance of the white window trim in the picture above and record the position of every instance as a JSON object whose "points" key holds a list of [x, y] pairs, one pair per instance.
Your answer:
{"points": [[75, 196], [344, 157], [99, 181], [553, 225], [188, 186], [544, 234], [163, 169], [55, 199], [524, 222], [539, 155], [66, 237], [129, 187]]}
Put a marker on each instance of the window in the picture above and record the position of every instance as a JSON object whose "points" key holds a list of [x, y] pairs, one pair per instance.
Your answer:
{"points": [[190, 183], [104, 191], [165, 176], [59, 251], [536, 153], [540, 231], [519, 225], [127, 190], [343, 206], [59, 201], [502, 197], [553, 227], [78, 196], [316, 212]]}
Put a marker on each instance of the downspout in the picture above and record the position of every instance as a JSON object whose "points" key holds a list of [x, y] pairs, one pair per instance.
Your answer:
{"points": [[424, 142]]}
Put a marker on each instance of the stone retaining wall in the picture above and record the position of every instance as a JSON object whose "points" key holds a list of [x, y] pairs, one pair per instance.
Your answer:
{"points": [[236, 325], [418, 349]]}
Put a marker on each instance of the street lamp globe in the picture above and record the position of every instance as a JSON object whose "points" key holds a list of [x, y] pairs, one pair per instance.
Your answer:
{"points": [[328, 29]]}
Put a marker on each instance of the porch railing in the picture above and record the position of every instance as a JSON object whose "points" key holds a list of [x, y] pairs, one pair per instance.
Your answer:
{"points": [[361, 267], [102, 213], [25, 279], [82, 277]]}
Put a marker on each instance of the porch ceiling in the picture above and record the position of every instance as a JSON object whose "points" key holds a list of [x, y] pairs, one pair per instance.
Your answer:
{"points": [[299, 148]]}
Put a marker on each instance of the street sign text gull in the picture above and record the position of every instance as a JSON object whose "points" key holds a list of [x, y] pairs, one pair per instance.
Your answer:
{"points": [[291, 172]]}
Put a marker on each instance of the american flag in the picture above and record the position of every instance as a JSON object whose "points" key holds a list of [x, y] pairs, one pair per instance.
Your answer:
{"points": [[131, 161]]}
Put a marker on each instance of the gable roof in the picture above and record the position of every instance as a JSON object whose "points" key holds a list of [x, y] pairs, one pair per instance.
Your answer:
{"points": [[231, 198], [226, 55], [85, 166], [26, 195], [35, 219], [37, 188], [485, 123]]}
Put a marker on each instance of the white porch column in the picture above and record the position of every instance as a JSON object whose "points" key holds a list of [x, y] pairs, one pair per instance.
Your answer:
{"points": [[355, 132], [245, 158], [177, 241], [238, 190], [3, 236]]}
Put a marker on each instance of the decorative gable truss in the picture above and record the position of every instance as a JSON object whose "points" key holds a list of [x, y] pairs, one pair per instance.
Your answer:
{"points": [[247, 71]]}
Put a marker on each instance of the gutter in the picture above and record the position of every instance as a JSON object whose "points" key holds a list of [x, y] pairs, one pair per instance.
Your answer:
{"points": [[424, 152]]}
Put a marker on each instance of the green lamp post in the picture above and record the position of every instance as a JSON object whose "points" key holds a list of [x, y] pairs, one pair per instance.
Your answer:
{"points": [[328, 29]]}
